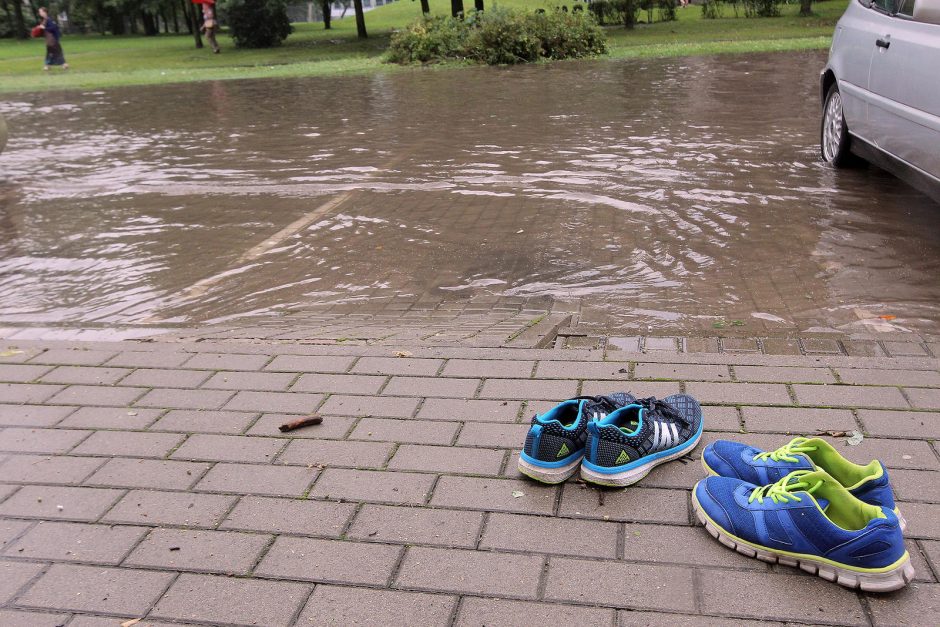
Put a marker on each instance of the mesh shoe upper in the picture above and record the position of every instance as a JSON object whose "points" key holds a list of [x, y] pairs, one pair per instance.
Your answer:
{"points": [[643, 428], [560, 433]]}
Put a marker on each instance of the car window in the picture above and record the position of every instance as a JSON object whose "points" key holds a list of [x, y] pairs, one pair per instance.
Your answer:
{"points": [[885, 6], [905, 7]]}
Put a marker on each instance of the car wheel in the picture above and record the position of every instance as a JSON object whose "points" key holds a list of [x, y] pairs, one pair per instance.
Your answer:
{"points": [[834, 134]]}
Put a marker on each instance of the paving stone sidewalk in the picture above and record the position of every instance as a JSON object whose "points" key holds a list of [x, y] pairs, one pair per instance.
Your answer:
{"points": [[149, 480]]}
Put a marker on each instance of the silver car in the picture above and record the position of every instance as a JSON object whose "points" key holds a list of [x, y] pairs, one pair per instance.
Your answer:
{"points": [[881, 90]]}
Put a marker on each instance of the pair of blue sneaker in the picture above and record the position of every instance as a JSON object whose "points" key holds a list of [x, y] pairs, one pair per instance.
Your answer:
{"points": [[805, 505], [615, 440]]}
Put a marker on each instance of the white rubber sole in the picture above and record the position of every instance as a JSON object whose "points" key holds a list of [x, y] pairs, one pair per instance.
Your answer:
{"points": [[548, 475], [893, 579], [629, 477]]}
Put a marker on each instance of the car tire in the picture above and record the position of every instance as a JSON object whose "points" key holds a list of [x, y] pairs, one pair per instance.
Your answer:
{"points": [[833, 133]]}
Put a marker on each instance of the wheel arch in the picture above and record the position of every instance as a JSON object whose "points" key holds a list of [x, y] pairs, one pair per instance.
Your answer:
{"points": [[827, 80]]}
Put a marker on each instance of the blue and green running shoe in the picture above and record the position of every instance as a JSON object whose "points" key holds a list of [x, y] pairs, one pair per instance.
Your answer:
{"points": [[623, 447], [867, 483], [807, 519], [554, 445]]}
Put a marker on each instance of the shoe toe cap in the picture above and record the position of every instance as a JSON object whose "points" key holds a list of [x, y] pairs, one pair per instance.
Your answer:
{"points": [[719, 457], [715, 497]]}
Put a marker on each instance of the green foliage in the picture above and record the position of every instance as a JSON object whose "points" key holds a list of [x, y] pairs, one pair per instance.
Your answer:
{"points": [[498, 37], [711, 9], [761, 8], [257, 23], [667, 10], [616, 11]]}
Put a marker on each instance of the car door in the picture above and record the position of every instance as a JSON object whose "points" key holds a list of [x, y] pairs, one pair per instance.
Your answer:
{"points": [[904, 106], [852, 51]]}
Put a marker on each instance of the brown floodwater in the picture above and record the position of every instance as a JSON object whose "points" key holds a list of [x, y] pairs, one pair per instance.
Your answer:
{"points": [[668, 194]]}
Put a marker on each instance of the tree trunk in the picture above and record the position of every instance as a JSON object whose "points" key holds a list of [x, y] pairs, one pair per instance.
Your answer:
{"points": [[425, 7], [478, 5], [176, 22], [806, 8], [150, 28], [456, 7], [326, 6], [19, 24], [194, 20], [360, 20]]}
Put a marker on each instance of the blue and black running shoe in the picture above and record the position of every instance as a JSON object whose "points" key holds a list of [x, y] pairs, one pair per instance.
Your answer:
{"points": [[623, 447], [807, 519], [868, 483], [554, 445]]}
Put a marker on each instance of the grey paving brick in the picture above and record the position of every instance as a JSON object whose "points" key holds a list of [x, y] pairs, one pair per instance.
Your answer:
{"points": [[468, 410], [185, 399], [905, 424], [148, 473], [10, 529], [85, 375], [673, 544], [336, 453], [582, 370], [339, 383], [148, 359], [332, 427], [931, 552], [226, 361], [637, 618], [659, 389], [97, 395], [74, 587], [397, 365], [72, 357], [849, 396], [476, 612], [15, 575], [413, 431], [722, 594], [917, 378], [27, 392], [255, 479], [44, 501], [676, 475], [493, 435], [449, 459], [286, 402], [262, 381], [290, 516], [32, 415], [897, 349], [741, 393], [310, 363], [162, 378], [477, 572], [494, 495], [540, 534], [915, 605], [335, 605], [228, 552], [824, 346], [329, 561], [368, 485], [231, 600], [922, 571], [417, 525], [633, 504], [76, 542], [719, 418], [147, 507], [924, 398], [915, 485], [23, 618], [682, 372], [48, 469], [783, 374], [430, 386], [110, 418], [195, 421], [17, 440], [489, 368], [513, 389], [393, 407], [923, 519], [797, 420], [129, 444], [229, 448], [626, 585], [21, 373]]}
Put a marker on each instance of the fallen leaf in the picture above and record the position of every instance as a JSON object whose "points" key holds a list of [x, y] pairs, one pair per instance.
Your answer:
{"points": [[403, 354], [887, 317], [517, 493], [856, 439], [832, 434], [10, 353], [130, 622]]}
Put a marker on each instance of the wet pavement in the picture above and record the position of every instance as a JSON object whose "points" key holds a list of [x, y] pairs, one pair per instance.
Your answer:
{"points": [[663, 196]]}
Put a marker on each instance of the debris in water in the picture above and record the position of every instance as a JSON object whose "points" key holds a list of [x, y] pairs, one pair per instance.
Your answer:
{"points": [[303, 422]]}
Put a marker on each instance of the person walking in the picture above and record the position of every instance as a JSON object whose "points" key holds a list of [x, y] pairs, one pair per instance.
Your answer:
{"points": [[210, 26], [54, 54]]}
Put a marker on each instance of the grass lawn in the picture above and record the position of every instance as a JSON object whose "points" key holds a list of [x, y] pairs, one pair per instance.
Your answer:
{"points": [[105, 61]]}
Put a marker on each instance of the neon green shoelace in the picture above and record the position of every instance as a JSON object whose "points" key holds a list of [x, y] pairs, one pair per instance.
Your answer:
{"points": [[782, 490], [786, 452]]}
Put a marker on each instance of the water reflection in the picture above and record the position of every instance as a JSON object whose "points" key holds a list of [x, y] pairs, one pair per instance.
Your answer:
{"points": [[671, 192]]}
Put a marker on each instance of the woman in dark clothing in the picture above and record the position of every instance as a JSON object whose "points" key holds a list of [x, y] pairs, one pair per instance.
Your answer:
{"points": [[54, 54]]}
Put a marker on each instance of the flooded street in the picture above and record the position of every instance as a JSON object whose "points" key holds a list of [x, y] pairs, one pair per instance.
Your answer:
{"points": [[676, 194]]}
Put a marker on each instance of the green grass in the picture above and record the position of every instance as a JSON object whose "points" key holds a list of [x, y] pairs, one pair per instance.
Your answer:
{"points": [[108, 61]]}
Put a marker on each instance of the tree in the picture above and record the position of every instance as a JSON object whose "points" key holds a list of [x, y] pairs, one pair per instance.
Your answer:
{"points": [[360, 20], [478, 5], [806, 8], [19, 24], [425, 7], [326, 7], [258, 23], [456, 8]]}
